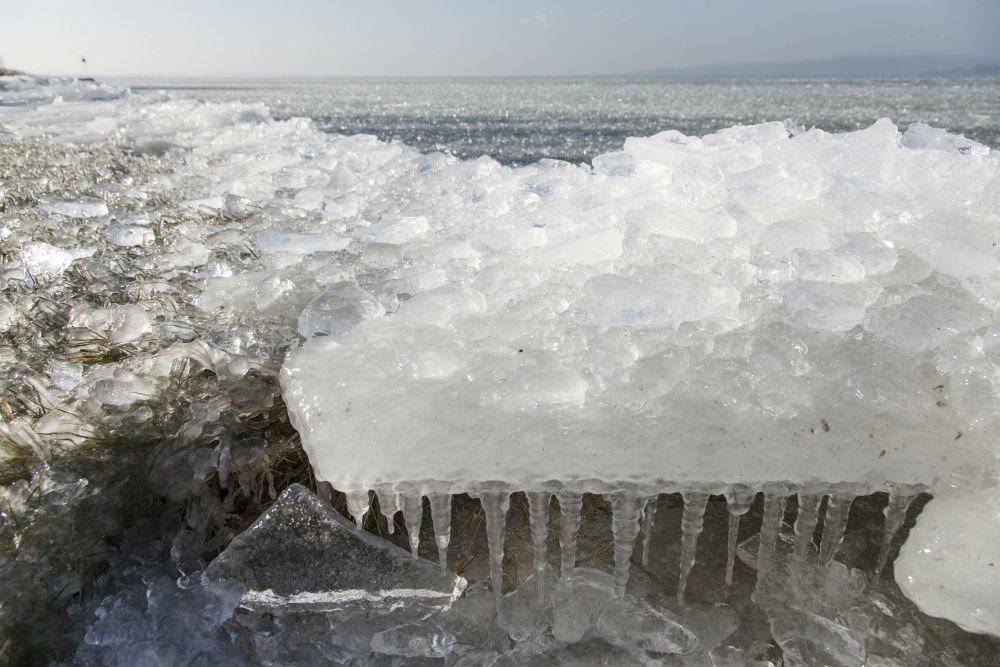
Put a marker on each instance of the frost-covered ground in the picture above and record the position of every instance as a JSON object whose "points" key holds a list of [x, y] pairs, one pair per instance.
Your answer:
{"points": [[162, 255]]}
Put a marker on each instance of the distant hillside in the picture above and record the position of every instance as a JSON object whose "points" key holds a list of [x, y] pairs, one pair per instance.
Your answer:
{"points": [[852, 66]]}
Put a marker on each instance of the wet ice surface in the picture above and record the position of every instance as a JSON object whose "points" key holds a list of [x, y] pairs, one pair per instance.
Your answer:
{"points": [[160, 257]]}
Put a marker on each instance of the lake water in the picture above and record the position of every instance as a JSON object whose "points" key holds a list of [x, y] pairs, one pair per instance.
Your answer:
{"points": [[519, 121]]}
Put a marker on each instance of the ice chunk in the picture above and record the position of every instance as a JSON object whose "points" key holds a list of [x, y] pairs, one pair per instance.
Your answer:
{"points": [[302, 554], [337, 310], [586, 601], [920, 135], [950, 563], [810, 639], [9, 315], [631, 623], [396, 231], [414, 640], [129, 235], [123, 388], [76, 208], [619, 301], [118, 324], [44, 260], [300, 243]]}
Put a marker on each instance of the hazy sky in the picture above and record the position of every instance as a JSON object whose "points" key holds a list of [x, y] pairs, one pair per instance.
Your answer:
{"points": [[474, 37]]}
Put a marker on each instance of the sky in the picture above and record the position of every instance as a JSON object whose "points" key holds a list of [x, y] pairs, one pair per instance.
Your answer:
{"points": [[473, 37]]}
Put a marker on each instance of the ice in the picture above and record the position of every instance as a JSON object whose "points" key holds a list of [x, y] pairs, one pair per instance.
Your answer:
{"points": [[569, 524], [441, 517], [300, 243], [337, 310], [117, 325], [587, 602], [123, 388], [129, 235], [302, 554], [76, 208], [618, 305], [495, 507], [396, 232], [810, 639], [949, 563], [414, 640], [692, 524], [44, 260]]}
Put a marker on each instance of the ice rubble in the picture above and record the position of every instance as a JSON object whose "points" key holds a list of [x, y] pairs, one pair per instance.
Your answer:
{"points": [[761, 309]]}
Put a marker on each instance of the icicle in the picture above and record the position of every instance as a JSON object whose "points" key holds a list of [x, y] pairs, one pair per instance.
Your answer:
{"points": [[805, 526], [495, 507], [413, 514], [838, 508], [625, 509], [648, 517], [357, 505], [538, 507], [569, 524], [388, 503], [738, 500], [895, 515], [770, 529], [441, 517], [692, 523]]}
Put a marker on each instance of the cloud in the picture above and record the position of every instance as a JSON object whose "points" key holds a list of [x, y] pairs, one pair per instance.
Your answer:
{"points": [[537, 20]]}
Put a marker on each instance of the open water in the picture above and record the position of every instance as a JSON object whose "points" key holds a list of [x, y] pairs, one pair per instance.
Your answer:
{"points": [[519, 121]]}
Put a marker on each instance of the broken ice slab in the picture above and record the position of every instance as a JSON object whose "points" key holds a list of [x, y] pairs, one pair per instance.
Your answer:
{"points": [[303, 554], [685, 311]]}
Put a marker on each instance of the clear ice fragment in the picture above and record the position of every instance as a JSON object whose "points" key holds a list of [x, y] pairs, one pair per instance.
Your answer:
{"points": [[414, 640], [302, 554]]}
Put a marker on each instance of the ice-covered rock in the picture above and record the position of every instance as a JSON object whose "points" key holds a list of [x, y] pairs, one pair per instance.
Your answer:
{"points": [[302, 554]]}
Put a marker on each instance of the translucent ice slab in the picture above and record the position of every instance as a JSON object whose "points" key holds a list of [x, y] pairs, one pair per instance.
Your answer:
{"points": [[751, 307]]}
